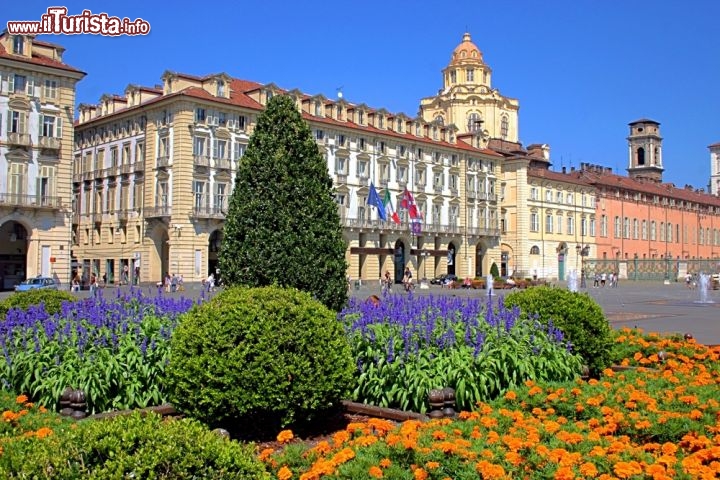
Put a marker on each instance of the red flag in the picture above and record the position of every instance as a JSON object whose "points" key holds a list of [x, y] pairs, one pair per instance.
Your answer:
{"points": [[409, 202]]}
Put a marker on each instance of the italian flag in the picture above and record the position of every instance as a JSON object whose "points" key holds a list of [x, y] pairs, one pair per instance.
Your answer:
{"points": [[389, 210]]}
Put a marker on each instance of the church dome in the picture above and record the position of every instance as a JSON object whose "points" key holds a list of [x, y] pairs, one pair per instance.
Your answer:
{"points": [[467, 51]]}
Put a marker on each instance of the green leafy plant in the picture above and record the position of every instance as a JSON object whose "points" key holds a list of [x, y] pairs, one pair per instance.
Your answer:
{"points": [[133, 446], [53, 300], [494, 271], [282, 225], [115, 351], [258, 355], [407, 346], [576, 314]]}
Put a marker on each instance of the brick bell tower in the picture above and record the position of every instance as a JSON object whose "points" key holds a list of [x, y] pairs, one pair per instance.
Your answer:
{"points": [[645, 150]]}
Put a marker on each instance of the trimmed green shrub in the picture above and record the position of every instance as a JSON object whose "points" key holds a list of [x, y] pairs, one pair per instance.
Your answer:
{"points": [[578, 316], [134, 446], [494, 271], [282, 226], [259, 356], [53, 300]]}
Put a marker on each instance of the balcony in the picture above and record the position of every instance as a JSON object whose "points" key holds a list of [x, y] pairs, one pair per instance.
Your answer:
{"points": [[139, 166], [163, 161], [89, 175], [126, 168], [19, 139], [471, 194], [198, 161], [76, 218], [159, 211], [438, 189], [96, 217], [122, 215], [77, 177], [483, 231], [50, 143], [384, 182], [341, 177], [209, 212], [402, 183], [39, 202], [454, 192], [223, 163]]}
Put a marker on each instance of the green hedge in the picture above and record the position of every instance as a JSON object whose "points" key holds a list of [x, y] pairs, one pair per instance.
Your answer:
{"points": [[259, 356], [53, 300], [579, 317], [135, 446]]}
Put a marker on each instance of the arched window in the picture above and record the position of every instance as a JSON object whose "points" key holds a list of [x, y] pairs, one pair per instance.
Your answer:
{"points": [[641, 156], [439, 120], [504, 126], [535, 250], [474, 122]]}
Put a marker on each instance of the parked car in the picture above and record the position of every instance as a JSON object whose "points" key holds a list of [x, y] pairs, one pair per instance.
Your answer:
{"points": [[444, 279], [37, 283]]}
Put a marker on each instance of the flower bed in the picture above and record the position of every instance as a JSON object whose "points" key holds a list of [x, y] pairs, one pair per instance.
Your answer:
{"points": [[114, 350], [659, 424], [405, 346]]}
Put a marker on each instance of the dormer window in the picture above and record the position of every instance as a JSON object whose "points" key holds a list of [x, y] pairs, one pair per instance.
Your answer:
{"points": [[268, 95], [220, 88], [361, 118], [453, 77], [318, 109], [399, 126], [470, 74], [381, 122], [339, 112], [417, 129], [18, 45]]}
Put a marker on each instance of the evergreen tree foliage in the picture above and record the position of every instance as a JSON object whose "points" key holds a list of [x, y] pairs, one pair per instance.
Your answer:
{"points": [[282, 225]]}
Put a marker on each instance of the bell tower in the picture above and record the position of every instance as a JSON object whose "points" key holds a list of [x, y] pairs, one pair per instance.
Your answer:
{"points": [[645, 150]]}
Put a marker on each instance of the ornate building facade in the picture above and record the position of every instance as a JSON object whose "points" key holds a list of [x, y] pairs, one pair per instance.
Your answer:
{"points": [[37, 101], [154, 168]]}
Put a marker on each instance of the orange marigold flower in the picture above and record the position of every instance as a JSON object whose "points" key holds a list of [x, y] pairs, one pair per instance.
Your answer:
{"points": [[42, 409], [696, 414], [375, 472], [432, 465], [642, 424], [381, 426], [588, 469], [510, 395], [21, 399], [265, 454], [669, 448], [284, 473], [340, 437], [564, 473], [366, 440], [627, 469], [385, 463], [9, 416], [43, 432], [439, 435], [285, 436], [420, 474]]}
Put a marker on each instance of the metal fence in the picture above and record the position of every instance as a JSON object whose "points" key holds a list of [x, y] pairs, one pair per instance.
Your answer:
{"points": [[650, 269]]}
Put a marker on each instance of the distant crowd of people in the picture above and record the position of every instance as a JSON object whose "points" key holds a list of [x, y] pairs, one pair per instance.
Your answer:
{"points": [[603, 279]]}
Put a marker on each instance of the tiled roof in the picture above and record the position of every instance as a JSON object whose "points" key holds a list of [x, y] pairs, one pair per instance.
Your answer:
{"points": [[612, 181], [714, 145], [558, 177], [39, 60], [644, 120]]}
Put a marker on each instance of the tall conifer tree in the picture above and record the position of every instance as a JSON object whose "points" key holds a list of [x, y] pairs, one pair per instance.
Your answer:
{"points": [[282, 225]]}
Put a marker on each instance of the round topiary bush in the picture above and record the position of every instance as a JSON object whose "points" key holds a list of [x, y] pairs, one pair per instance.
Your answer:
{"points": [[53, 300], [136, 446], [578, 316], [259, 356]]}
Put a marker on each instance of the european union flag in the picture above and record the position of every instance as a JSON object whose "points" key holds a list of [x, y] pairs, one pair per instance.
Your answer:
{"points": [[375, 200]]}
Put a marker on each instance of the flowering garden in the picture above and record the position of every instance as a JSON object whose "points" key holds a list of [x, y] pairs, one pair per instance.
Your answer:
{"points": [[525, 411]]}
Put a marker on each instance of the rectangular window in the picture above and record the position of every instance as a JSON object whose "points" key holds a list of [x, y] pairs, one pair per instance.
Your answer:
{"points": [[583, 227], [50, 126], [16, 185], [199, 114], [603, 226], [534, 222], [616, 227], [533, 193], [45, 184], [50, 89], [438, 179], [626, 227], [548, 224], [559, 218], [362, 169], [592, 226], [17, 83], [571, 225], [341, 164], [559, 197], [470, 74], [17, 122], [220, 149], [162, 198], [113, 157], [200, 201], [139, 152], [221, 197], [548, 196], [402, 173], [636, 229]]}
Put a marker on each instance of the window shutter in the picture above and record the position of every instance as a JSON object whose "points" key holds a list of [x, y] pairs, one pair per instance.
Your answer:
{"points": [[58, 127], [30, 86], [41, 122], [11, 83], [10, 121], [21, 122]]}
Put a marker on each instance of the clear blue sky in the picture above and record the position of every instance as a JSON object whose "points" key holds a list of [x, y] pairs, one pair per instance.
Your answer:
{"points": [[581, 69]]}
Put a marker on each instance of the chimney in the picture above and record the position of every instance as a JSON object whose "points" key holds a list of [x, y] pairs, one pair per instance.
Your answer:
{"points": [[572, 169], [564, 170], [539, 150]]}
